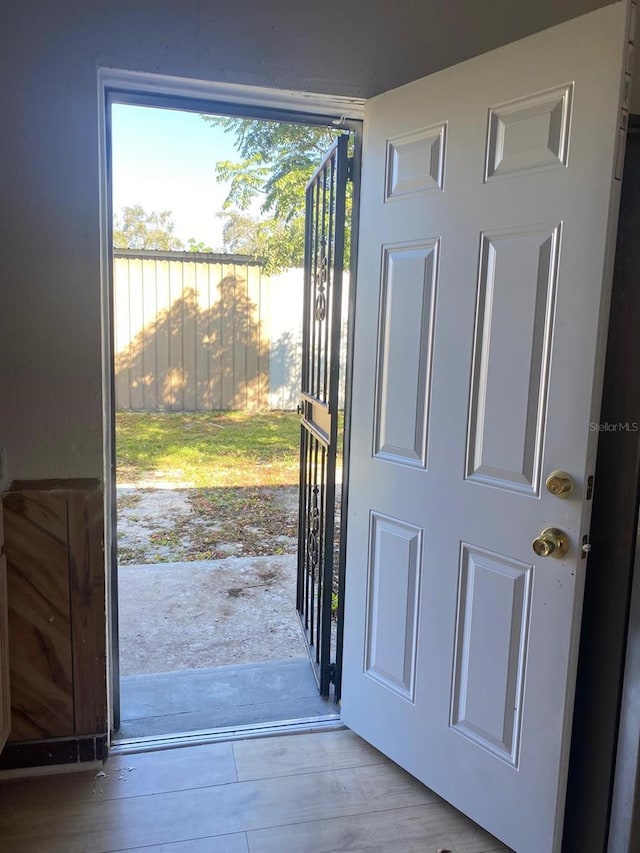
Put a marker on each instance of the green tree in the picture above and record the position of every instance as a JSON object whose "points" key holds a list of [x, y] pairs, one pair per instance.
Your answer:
{"points": [[240, 233], [194, 245], [277, 160], [279, 245], [135, 228]]}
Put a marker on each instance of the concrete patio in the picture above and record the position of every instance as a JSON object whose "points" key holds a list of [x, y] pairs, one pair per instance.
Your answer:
{"points": [[212, 644], [220, 697]]}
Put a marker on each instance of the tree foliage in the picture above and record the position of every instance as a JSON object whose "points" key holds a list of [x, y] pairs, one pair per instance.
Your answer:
{"points": [[240, 233], [194, 245], [279, 245], [277, 160], [135, 228]]}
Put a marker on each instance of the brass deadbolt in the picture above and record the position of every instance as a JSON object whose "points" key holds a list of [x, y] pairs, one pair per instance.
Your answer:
{"points": [[560, 484], [552, 542]]}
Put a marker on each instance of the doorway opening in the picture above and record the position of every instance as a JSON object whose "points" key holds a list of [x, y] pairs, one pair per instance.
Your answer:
{"points": [[212, 542]]}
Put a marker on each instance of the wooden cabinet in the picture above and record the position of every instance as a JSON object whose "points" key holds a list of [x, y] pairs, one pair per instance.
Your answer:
{"points": [[55, 577], [5, 698]]}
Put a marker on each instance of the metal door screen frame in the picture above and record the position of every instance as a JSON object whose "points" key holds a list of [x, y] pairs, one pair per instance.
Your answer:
{"points": [[320, 570]]}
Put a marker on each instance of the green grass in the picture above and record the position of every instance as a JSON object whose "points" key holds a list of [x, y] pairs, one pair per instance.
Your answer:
{"points": [[210, 450]]}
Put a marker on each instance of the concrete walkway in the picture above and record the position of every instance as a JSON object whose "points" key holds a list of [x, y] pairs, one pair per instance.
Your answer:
{"points": [[194, 615], [212, 644], [225, 696]]}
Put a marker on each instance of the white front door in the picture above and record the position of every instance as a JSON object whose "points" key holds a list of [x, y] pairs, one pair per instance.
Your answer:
{"points": [[488, 193]]}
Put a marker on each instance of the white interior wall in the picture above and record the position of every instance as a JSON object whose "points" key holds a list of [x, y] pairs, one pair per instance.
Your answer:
{"points": [[50, 353]]}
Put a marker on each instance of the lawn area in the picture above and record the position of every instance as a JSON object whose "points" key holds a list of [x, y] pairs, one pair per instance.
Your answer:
{"points": [[208, 449], [202, 486]]}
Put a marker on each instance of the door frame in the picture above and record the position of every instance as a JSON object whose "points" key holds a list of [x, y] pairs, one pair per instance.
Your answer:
{"points": [[119, 86], [603, 766]]}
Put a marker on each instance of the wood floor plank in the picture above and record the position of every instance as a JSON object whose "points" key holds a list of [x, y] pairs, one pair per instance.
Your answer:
{"points": [[126, 776], [388, 786], [290, 754], [178, 816], [418, 829], [187, 801], [236, 843]]}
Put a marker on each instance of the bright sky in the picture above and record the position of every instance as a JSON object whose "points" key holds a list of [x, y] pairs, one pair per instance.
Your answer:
{"points": [[165, 160]]}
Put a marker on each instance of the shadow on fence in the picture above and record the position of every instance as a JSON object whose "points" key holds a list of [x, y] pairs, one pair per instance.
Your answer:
{"points": [[192, 357]]}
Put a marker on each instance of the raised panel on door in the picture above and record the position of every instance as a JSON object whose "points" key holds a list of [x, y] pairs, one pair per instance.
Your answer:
{"points": [[405, 339], [529, 133], [482, 282], [491, 650], [415, 162], [512, 349], [392, 604]]}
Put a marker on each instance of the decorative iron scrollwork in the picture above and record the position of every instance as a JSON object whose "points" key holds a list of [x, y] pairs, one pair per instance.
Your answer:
{"points": [[313, 544], [321, 297]]}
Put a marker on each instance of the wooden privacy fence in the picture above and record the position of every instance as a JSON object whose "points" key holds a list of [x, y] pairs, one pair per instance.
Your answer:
{"points": [[203, 332]]}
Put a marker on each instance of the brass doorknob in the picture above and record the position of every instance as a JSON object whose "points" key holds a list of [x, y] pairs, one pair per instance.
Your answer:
{"points": [[559, 483], [552, 542]]}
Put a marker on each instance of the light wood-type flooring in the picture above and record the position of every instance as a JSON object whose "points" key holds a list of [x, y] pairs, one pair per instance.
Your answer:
{"points": [[304, 793]]}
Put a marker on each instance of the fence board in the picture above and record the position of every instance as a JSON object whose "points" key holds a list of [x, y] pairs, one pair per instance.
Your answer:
{"points": [[213, 367], [202, 340], [176, 325], [190, 313], [136, 331], [149, 355], [121, 333], [162, 335], [257, 355], [241, 338], [226, 335]]}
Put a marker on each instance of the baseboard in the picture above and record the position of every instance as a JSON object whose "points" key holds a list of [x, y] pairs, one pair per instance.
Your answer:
{"points": [[58, 751], [52, 770]]}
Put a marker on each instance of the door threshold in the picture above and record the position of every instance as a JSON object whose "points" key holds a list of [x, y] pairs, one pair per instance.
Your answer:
{"points": [[124, 746]]}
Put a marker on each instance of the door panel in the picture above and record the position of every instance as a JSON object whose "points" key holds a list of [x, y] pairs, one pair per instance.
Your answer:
{"points": [[492, 623], [405, 339], [392, 604], [487, 194], [510, 364]]}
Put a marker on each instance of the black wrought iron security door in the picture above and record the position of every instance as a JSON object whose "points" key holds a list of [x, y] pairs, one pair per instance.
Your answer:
{"points": [[319, 572]]}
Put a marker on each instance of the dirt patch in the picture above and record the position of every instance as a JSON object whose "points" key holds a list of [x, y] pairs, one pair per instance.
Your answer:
{"points": [[206, 577], [157, 525]]}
